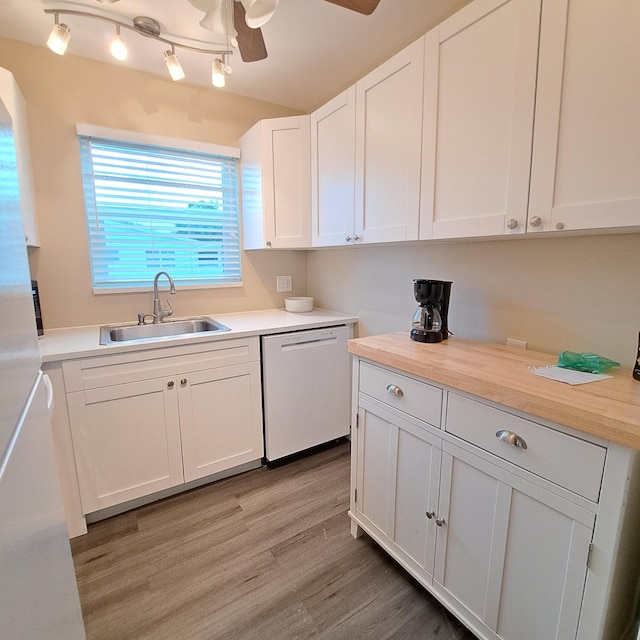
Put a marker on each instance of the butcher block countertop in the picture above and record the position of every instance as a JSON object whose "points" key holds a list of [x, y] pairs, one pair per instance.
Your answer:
{"points": [[609, 409]]}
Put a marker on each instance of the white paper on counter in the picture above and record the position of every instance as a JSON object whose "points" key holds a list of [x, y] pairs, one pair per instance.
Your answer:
{"points": [[569, 376]]}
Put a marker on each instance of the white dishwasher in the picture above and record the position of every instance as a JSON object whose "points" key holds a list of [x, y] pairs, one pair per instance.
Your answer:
{"points": [[306, 389]]}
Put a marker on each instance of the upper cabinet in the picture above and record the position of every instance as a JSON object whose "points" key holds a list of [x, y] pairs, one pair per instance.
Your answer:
{"points": [[14, 102], [586, 150], [479, 96], [276, 184], [388, 148], [333, 157]]}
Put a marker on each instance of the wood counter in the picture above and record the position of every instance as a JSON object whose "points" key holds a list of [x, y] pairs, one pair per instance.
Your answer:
{"points": [[609, 409]]}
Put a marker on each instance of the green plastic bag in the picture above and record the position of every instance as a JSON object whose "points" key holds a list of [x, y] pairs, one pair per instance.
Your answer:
{"points": [[587, 362]]}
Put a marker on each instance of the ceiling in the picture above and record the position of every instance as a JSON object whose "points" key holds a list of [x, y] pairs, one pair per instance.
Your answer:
{"points": [[316, 49]]}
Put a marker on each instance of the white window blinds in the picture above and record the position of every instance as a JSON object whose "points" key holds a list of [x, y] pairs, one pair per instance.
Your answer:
{"points": [[152, 208]]}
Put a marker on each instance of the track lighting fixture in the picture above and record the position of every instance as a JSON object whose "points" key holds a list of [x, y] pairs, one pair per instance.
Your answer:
{"points": [[218, 78], [173, 64], [59, 37], [145, 26], [118, 46]]}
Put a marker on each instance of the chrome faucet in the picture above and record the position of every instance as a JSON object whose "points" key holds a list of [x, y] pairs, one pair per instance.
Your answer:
{"points": [[159, 314]]}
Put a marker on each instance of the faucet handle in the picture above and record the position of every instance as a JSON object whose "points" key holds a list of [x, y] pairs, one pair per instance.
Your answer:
{"points": [[142, 316]]}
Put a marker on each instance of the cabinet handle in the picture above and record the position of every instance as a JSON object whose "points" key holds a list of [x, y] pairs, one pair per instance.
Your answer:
{"points": [[440, 522], [170, 384], [395, 390], [430, 514], [183, 382], [512, 223], [511, 438], [535, 221]]}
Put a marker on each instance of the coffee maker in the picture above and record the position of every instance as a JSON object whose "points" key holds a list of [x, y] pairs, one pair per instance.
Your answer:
{"points": [[430, 322]]}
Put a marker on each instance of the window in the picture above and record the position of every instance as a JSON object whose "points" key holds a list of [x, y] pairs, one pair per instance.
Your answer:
{"points": [[156, 207]]}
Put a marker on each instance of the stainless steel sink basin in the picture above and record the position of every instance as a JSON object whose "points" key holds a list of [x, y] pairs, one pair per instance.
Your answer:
{"points": [[116, 333]]}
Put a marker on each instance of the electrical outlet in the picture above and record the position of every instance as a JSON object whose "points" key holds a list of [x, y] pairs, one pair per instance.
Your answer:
{"points": [[513, 342], [283, 284]]}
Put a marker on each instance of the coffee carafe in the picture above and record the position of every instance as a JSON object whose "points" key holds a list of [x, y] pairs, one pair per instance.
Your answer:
{"points": [[430, 323]]}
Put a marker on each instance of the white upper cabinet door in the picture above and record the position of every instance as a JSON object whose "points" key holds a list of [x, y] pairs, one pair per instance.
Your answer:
{"points": [[388, 149], [276, 184], [333, 151], [480, 79], [586, 153], [11, 96]]}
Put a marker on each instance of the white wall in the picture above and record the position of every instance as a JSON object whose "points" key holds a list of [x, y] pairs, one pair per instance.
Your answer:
{"points": [[562, 293]]}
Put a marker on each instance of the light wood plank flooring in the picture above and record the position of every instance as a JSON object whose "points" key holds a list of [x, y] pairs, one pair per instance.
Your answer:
{"points": [[267, 554]]}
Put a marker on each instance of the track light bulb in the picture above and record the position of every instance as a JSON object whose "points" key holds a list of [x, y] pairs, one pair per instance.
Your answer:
{"points": [[217, 73], [173, 65], [59, 38], [118, 46]]}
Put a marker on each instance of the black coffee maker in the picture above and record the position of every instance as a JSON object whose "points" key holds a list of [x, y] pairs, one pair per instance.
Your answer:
{"points": [[430, 319]]}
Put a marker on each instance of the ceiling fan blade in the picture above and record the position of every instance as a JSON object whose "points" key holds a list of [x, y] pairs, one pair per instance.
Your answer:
{"points": [[250, 41], [367, 7]]}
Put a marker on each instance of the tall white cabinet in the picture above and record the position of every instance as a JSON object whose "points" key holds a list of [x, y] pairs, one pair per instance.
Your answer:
{"points": [[586, 151], [480, 80]]}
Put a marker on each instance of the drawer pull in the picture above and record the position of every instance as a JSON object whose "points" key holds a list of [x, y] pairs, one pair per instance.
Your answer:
{"points": [[511, 438], [395, 390]]}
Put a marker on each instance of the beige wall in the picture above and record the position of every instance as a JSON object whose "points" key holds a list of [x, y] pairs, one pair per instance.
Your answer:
{"points": [[61, 91], [578, 293]]}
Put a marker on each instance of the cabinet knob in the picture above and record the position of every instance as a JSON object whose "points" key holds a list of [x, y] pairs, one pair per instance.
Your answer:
{"points": [[356, 238], [430, 514], [347, 238], [535, 221], [440, 522], [268, 243], [170, 384], [511, 438], [183, 382], [559, 226], [512, 223], [395, 390]]}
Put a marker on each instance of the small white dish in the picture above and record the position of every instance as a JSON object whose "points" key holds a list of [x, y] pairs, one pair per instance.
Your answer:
{"points": [[298, 304]]}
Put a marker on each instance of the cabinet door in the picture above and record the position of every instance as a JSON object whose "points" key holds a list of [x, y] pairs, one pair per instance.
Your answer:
{"points": [[510, 552], [480, 79], [126, 441], [397, 477], [221, 419], [388, 135], [333, 148], [13, 100], [276, 184], [586, 154]]}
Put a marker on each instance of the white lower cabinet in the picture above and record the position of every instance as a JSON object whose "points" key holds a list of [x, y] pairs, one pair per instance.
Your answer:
{"points": [[502, 535], [150, 420]]}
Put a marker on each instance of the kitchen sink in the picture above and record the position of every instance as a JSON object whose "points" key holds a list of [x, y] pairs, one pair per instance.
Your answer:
{"points": [[116, 333]]}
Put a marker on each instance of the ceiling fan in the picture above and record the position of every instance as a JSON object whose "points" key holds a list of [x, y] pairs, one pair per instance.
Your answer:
{"points": [[244, 26]]}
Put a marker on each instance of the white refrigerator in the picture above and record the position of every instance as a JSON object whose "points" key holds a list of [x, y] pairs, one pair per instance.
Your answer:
{"points": [[38, 591]]}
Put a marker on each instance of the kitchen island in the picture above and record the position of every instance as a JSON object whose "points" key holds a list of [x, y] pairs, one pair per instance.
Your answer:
{"points": [[513, 499]]}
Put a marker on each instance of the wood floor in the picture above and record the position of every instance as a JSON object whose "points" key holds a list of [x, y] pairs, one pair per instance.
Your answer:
{"points": [[267, 554]]}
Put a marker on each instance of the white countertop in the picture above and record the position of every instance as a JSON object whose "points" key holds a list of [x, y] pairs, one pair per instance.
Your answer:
{"points": [[79, 342]]}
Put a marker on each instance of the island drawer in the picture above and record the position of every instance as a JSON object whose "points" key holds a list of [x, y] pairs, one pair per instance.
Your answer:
{"points": [[418, 399], [571, 462]]}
